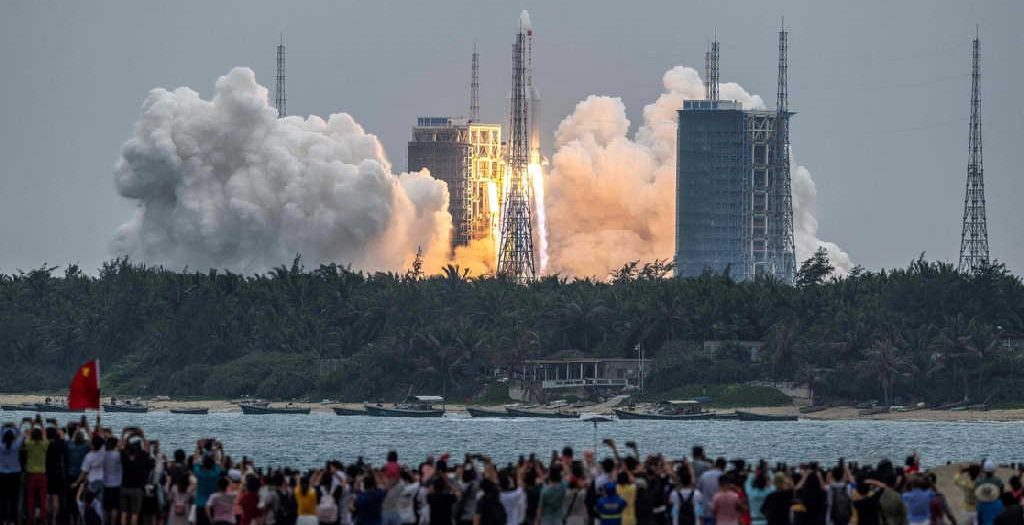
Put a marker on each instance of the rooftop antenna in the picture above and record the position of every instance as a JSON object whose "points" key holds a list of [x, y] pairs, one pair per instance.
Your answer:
{"points": [[474, 88], [280, 99], [711, 71], [974, 234]]}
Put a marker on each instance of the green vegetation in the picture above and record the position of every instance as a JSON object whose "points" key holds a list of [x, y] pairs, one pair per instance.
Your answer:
{"points": [[923, 333], [726, 396]]}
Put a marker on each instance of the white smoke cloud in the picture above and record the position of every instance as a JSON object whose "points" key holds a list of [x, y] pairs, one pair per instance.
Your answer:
{"points": [[805, 225], [611, 199], [225, 183]]}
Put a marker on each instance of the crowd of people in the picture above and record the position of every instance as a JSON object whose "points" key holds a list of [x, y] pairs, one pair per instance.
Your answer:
{"points": [[74, 474]]}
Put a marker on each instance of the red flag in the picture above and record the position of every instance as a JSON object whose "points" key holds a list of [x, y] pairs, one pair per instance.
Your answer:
{"points": [[85, 387]]}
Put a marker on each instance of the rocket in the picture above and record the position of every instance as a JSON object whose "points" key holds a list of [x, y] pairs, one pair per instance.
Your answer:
{"points": [[532, 95]]}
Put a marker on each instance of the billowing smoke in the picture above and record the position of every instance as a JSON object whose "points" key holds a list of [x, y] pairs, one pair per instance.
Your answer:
{"points": [[611, 199], [225, 183]]}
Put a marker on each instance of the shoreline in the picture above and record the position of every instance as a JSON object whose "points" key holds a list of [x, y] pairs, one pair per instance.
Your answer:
{"points": [[844, 413]]}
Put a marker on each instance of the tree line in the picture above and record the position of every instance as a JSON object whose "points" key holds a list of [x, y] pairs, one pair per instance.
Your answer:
{"points": [[922, 333]]}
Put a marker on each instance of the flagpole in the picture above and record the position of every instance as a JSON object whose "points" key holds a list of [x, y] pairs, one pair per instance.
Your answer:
{"points": [[99, 391]]}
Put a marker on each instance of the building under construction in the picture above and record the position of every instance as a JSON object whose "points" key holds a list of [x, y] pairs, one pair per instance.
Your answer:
{"points": [[468, 156], [734, 208]]}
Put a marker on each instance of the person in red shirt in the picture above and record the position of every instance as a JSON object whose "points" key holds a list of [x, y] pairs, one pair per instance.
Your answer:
{"points": [[249, 501], [727, 505]]}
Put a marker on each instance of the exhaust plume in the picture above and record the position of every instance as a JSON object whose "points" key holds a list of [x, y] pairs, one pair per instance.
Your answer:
{"points": [[225, 183], [611, 199]]}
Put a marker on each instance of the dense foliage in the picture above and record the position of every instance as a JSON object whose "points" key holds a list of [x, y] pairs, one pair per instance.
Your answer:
{"points": [[926, 332]]}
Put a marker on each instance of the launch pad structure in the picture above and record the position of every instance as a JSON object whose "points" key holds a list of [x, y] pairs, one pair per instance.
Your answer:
{"points": [[516, 255]]}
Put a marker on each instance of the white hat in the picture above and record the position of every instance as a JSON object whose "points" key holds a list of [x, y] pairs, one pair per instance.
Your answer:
{"points": [[235, 475], [988, 466]]}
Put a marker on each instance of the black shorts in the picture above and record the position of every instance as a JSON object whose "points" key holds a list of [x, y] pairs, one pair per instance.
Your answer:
{"points": [[111, 498], [56, 485]]}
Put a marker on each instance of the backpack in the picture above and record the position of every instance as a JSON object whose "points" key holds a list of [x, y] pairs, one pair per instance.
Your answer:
{"points": [[180, 503], [842, 507], [287, 510], [686, 512], [327, 508]]}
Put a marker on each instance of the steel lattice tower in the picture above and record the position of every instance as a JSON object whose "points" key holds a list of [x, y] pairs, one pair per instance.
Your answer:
{"points": [[788, 248], [711, 71], [474, 88], [280, 98], [974, 235], [516, 254]]}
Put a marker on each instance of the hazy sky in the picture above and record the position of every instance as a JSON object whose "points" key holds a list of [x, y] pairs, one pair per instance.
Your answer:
{"points": [[881, 89]]}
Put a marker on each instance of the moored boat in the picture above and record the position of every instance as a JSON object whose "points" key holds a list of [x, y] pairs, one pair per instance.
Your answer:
{"points": [[751, 416], [134, 409], [873, 411], [486, 412], [414, 406], [812, 409], [257, 410], [191, 411], [697, 416], [398, 411], [342, 411], [557, 414], [21, 407]]}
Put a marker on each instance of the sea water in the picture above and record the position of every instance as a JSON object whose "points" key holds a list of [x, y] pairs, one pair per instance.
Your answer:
{"points": [[309, 440]]}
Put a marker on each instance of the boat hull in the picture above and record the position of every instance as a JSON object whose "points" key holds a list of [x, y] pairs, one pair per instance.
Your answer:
{"points": [[342, 411], [549, 415], [191, 411], [812, 409], [376, 411], [38, 407], [750, 416], [126, 408], [625, 414], [483, 412], [253, 410]]}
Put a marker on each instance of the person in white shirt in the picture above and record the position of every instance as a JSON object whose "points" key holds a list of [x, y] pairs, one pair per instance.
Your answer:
{"points": [[92, 468], [513, 499]]}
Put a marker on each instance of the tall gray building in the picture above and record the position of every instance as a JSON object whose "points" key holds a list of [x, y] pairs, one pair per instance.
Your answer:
{"points": [[734, 208], [468, 156]]}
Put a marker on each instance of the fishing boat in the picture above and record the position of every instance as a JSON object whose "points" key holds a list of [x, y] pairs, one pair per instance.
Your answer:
{"points": [[132, 408], [191, 411], [726, 416], [259, 410], [812, 409], [750, 416], [486, 412], [557, 414], [630, 414], [21, 407], [672, 410], [342, 411], [415, 406], [53, 407], [873, 411]]}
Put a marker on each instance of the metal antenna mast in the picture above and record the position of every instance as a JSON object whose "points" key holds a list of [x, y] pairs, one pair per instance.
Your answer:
{"points": [[711, 71], [474, 88], [280, 99], [974, 235], [516, 254], [788, 252]]}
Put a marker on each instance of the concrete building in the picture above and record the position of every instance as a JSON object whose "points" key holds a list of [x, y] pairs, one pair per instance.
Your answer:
{"points": [[468, 156], [545, 379], [730, 205]]}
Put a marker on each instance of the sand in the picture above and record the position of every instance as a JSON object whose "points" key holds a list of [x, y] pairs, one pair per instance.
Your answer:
{"points": [[834, 413]]}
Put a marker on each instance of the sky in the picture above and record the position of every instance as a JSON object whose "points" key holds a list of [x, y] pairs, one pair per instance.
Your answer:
{"points": [[881, 89]]}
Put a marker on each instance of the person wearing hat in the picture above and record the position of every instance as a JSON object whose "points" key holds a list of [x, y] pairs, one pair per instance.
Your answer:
{"points": [[987, 491]]}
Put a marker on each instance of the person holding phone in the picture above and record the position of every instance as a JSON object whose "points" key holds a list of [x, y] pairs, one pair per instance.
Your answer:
{"points": [[11, 442]]}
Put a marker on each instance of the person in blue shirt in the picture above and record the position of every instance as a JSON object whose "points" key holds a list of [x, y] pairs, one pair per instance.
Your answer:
{"points": [[609, 508], [207, 474], [918, 501], [10, 472]]}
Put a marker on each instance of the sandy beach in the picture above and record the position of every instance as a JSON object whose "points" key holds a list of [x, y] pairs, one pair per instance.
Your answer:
{"points": [[833, 413]]}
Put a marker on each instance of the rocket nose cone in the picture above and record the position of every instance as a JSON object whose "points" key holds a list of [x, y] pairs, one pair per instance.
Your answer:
{"points": [[524, 22]]}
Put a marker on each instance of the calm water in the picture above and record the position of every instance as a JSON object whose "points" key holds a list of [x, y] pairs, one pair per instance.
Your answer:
{"points": [[305, 441]]}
